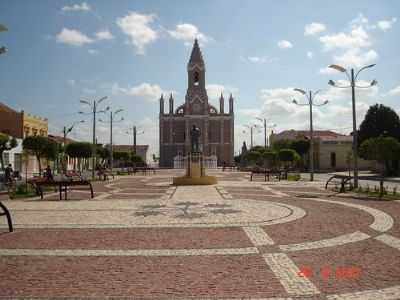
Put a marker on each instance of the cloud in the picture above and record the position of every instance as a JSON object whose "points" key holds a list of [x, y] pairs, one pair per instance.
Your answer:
{"points": [[104, 35], [73, 37], [249, 112], [355, 58], [187, 32], [385, 25], [71, 82], [260, 59], [395, 91], [137, 27], [310, 54], [77, 7], [327, 71], [146, 91], [357, 38], [214, 91], [93, 51], [314, 28], [284, 44]]}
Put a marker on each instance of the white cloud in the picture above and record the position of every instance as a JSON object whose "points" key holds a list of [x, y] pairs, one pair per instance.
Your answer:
{"points": [[395, 91], [187, 33], [260, 59], [310, 54], [357, 38], [355, 58], [327, 71], [93, 51], [146, 91], [137, 27], [104, 35], [77, 7], [71, 82], [314, 28], [284, 44], [385, 25], [73, 37], [250, 112], [214, 91]]}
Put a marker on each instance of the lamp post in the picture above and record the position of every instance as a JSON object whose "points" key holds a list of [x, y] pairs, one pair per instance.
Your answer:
{"points": [[3, 49], [112, 116], [134, 134], [94, 106], [65, 133], [251, 127], [264, 120], [352, 79], [310, 98]]}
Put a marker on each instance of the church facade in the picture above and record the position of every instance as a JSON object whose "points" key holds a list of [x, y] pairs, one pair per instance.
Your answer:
{"points": [[216, 126]]}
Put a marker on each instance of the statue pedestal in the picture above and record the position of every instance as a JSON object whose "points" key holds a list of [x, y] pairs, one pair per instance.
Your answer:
{"points": [[195, 172]]}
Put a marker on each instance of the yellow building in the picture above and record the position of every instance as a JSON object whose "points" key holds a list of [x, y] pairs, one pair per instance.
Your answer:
{"points": [[34, 125]]}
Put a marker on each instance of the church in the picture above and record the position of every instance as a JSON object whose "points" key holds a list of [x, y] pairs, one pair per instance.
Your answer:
{"points": [[217, 127]]}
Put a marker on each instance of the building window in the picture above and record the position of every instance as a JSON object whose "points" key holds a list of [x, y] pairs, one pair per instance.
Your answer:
{"points": [[333, 160], [6, 158], [196, 79]]}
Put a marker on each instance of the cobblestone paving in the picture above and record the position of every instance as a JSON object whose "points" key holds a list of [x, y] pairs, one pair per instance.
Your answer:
{"points": [[142, 238]]}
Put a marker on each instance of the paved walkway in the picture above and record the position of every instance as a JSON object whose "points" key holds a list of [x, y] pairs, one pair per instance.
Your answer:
{"points": [[142, 238]]}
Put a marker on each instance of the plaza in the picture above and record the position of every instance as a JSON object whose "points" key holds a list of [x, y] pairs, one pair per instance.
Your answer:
{"points": [[142, 238]]}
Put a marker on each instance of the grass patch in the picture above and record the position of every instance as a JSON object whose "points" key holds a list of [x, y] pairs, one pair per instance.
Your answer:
{"points": [[296, 177]]}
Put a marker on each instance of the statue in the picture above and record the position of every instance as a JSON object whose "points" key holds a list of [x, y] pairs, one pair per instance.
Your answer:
{"points": [[194, 138]]}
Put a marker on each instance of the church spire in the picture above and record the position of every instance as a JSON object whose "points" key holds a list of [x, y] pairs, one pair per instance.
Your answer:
{"points": [[196, 58]]}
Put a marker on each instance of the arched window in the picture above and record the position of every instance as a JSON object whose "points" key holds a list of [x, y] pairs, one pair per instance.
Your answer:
{"points": [[196, 78]]}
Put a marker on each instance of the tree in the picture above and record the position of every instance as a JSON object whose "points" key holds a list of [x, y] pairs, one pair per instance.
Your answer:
{"points": [[300, 146], [253, 156], [288, 156], [6, 143], [41, 147], [281, 144], [79, 150], [383, 150], [270, 157], [103, 153], [379, 120], [136, 158]]}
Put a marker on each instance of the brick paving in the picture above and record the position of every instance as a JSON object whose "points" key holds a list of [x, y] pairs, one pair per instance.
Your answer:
{"points": [[141, 238]]}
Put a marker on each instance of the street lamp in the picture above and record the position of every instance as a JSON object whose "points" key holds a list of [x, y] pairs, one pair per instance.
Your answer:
{"points": [[134, 134], [3, 49], [93, 107], [310, 96], [65, 133], [352, 78], [251, 127], [264, 120], [112, 116]]}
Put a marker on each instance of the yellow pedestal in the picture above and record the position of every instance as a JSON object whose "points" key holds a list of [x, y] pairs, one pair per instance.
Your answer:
{"points": [[195, 176]]}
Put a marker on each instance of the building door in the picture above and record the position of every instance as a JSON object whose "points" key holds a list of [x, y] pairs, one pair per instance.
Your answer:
{"points": [[333, 160]]}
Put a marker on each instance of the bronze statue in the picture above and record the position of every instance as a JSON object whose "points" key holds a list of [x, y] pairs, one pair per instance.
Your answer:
{"points": [[194, 138]]}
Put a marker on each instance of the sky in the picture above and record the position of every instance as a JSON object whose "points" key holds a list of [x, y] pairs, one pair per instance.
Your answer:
{"points": [[60, 52]]}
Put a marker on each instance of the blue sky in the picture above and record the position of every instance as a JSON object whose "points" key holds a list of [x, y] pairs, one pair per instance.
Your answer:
{"points": [[131, 51]]}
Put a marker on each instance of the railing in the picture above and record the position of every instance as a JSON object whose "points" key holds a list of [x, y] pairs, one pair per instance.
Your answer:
{"points": [[208, 162]]}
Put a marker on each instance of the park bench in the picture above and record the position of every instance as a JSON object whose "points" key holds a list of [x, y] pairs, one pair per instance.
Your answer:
{"points": [[229, 168], [6, 212], [341, 180], [266, 173], [62, 185]]}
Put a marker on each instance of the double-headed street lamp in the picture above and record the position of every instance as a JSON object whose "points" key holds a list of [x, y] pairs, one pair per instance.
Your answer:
{"points": [[264, 120], [352, 79], [67, 130], [134, 134], [310, 96], [112, 120], [3, 49], [251, 127], [94, 106]]}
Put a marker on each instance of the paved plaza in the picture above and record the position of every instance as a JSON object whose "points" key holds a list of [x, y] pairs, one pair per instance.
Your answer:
{"points": [[142, 238]]}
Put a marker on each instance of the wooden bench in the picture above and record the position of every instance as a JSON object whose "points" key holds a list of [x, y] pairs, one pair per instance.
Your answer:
{"points": [[6, 213], [62, 186], [267, 174], [339, 179]]}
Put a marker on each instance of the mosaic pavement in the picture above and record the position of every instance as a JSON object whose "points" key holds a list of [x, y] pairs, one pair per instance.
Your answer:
{"points": [[142, 238]]}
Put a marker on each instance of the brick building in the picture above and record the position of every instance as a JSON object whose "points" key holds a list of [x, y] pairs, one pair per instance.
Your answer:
{"points": [[217, 127]]}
